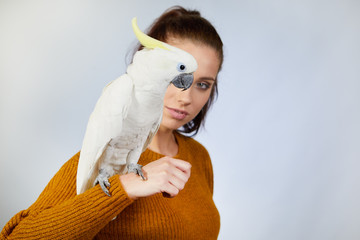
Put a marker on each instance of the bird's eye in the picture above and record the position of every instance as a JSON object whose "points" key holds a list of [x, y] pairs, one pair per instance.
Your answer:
{"points": [[181, 67]]}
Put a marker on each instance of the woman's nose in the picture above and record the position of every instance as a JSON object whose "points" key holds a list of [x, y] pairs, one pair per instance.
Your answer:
{"points": [[185, 97]]}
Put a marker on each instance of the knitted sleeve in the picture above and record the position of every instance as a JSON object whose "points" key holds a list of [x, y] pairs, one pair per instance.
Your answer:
{"points": [[59, 213]]}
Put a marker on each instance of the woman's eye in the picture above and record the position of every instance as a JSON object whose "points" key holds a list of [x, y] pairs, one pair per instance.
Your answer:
{"points": [[203, 85]]}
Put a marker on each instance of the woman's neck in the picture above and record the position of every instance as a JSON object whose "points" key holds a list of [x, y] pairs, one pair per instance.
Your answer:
{"points": [[164, 142]]}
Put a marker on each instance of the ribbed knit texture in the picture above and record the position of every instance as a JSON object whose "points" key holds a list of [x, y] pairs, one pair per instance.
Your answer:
{"points": [[59, 213]]}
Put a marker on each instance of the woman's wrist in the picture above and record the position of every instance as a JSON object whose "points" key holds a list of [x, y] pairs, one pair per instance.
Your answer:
{"points": [[126, 181]]}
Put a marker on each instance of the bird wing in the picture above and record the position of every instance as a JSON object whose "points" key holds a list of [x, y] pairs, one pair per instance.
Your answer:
{"points": [[105, 123], [152, 133]]}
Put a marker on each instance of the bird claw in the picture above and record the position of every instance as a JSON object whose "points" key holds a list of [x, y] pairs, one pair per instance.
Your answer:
{"points": [[136, 168], [103, 181]]}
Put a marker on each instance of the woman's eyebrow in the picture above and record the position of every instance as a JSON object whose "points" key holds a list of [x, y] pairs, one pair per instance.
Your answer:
{"points": [[207, 78]]}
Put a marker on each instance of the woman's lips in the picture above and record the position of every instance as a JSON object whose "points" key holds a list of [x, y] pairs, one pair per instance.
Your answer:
{"points": [[177, 113]]}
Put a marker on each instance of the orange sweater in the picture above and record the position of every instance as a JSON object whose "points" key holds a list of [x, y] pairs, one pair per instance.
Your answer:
{"points": [[59, 213]]}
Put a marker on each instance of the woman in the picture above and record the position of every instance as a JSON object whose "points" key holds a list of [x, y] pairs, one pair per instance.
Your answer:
{"points": [[185, 209]]}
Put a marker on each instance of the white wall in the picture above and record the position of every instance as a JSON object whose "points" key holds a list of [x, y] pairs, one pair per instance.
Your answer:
{"points": [[284, 134]]}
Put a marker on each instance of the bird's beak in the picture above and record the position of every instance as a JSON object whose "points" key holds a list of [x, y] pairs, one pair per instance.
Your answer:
{"points": [[183, 81]]}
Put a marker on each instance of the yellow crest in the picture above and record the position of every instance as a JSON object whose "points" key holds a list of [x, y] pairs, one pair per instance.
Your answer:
{"points": [[145, 40]]}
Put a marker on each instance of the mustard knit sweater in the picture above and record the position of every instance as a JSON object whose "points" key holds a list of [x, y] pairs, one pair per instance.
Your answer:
{"points": [[59, 213]]}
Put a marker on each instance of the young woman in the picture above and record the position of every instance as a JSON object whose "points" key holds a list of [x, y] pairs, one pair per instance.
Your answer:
{"points": [[176, 200]]}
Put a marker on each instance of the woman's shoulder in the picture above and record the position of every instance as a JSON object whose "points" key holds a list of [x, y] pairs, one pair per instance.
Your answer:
{"points": [[72, 162], [68, 170]]}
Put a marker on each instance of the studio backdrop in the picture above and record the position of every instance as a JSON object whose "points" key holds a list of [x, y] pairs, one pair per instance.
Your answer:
{"points": [[283, 135]]}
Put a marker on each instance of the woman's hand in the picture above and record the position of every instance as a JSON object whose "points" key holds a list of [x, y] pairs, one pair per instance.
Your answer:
{"points": [[165, 175]]}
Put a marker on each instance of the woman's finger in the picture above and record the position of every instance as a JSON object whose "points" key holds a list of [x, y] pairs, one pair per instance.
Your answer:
{"points": [[171, 190], [181, 164]]}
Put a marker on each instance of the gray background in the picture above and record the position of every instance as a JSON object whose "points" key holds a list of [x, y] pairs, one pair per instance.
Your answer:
{"points": [[283, 135]]}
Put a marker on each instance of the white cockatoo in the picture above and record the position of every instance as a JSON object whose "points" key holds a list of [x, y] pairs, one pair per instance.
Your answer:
{"points": [[129, 111]]}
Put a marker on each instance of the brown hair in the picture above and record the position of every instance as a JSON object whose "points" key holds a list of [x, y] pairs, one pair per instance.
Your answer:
{"points": [[189, 24]]}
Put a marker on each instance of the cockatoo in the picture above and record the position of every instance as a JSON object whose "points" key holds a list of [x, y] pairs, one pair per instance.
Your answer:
{"points": [[129, 111]]}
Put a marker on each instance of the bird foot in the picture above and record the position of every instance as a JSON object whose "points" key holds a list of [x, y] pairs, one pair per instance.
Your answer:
{"points": [[103, 181], [136, 168]]}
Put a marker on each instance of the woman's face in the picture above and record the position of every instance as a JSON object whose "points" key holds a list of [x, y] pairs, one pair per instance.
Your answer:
{"points": [[180, 106]]}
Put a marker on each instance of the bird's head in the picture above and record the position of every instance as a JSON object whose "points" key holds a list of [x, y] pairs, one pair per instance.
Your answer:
{"points": [[164, 61]]}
